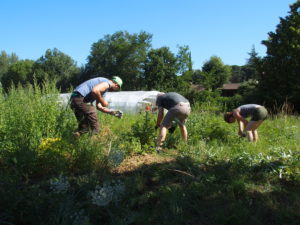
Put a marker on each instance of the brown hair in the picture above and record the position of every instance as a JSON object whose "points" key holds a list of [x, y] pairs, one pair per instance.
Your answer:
{"points": [[228, 116]]}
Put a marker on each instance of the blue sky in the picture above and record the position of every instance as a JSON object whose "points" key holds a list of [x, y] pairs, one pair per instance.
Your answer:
{"points": [[224, 28]]}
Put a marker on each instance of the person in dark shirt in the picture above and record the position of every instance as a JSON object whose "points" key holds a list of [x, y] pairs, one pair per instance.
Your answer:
{"points": [[247, 129], [88, 92], [178, 110]]}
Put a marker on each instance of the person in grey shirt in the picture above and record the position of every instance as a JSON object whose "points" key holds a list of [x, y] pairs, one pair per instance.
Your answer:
{"points": [[247, 129], [178, 110]]}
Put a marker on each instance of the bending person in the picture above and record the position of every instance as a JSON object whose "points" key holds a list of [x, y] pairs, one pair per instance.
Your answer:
{"points": [[178, 110], [85, 94], [247, 129]]}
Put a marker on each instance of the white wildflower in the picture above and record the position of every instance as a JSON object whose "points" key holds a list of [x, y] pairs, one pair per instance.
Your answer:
{"points": [[108, 192], [79, 218], [59, 185]]}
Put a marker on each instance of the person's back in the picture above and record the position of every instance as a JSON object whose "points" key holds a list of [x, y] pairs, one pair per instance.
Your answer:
{"points": [[170, 100], [248, 109], [86, 87]]}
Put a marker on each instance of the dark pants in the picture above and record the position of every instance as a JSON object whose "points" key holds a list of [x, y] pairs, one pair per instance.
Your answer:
{"points": [[86, 116]]}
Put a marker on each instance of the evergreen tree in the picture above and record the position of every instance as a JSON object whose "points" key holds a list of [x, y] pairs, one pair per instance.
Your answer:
{"points": [[279, 79]]}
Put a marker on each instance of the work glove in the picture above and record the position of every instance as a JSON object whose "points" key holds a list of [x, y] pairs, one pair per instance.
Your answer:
{"points": [[172, 129], [117, 113]]}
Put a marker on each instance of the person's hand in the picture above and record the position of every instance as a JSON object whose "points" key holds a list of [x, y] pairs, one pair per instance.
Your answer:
{"points": [[172, 129], [117, 113], [242, 134]]}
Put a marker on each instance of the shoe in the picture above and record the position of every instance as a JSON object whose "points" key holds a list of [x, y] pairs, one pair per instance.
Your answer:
{"points": [[76, 134], [158, 150]]}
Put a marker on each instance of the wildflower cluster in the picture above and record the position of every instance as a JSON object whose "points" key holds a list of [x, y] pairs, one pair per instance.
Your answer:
{"points": [[79, 218], [115, 157], [59, 185], [108, 192]]}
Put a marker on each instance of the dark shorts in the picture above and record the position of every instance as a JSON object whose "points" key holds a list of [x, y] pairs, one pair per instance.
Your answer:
{"points": [[260, 113], [178, 113]]}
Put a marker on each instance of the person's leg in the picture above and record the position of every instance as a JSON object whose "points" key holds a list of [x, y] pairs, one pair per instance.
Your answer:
{"points": [[79, 109], [184, 134], [249, 135], [92, 119], [251, 127], [161, 137], [165, 124], [255, 136]]}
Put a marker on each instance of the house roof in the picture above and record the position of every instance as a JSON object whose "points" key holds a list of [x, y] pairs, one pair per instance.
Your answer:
{"points": [[197, 87], [231, 86]]}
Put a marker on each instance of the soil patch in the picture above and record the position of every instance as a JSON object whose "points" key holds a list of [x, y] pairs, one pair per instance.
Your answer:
{"points": [[136, 161]]}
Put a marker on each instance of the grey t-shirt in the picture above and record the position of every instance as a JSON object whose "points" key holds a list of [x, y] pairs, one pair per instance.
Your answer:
{"points": [[169, 100], [248, 110]]}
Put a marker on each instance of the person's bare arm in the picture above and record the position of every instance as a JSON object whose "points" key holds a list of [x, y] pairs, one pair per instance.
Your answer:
{"points": [[237, 115], [160, 116], [96, 92], [101, 103], [242, 122]]}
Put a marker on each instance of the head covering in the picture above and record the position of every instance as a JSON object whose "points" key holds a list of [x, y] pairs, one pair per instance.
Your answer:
{"points": [[117, 80]]}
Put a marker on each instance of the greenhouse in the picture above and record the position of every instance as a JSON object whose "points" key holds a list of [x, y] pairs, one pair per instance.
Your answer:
{"points": [[127, 101]]}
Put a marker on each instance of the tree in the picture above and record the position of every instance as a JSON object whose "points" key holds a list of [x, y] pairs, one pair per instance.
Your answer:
{"points": [[215, 73], [161, 67], [56, 65], [279, 79], [120, 54], [236, 74], [184, 59], [20, 72], [5, 61], [250, 70]]}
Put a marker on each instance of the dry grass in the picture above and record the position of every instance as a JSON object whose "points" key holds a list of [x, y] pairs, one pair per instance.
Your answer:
{"points": [[136, 161]]}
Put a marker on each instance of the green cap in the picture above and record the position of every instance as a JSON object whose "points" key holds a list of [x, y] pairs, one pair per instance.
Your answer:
{"points": [[117, 80]]}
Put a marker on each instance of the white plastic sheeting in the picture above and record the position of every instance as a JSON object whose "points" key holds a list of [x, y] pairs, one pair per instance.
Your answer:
{"points": [[127, 101], [132, 101]]}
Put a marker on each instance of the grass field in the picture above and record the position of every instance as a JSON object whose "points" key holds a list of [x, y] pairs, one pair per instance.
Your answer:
{"points": [[49, 177]]}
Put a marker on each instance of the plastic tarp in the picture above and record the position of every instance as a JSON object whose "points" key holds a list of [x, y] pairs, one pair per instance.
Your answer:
{"points": [[127, 101]]}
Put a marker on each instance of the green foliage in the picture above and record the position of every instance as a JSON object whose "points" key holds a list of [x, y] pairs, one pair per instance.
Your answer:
{"points": [[55, 65], [184, 59], [120, 54], [141, 137], [215, 73], [279, 80], [5, 61], [20, 72], [160, 69]]}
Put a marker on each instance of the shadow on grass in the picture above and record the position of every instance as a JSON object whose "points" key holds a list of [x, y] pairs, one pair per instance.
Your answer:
{"points": [[188, 192], [175, 192]]}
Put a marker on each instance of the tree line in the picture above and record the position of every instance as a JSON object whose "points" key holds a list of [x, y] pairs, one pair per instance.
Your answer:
{"points": [[269, 80]]}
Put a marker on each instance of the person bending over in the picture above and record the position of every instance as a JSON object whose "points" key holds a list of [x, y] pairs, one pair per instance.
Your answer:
{"points": [[88, 92], [178, 110], [247, 129]]}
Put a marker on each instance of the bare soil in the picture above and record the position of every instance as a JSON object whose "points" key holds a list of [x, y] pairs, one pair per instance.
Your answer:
{"points": [[136, 161]]}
